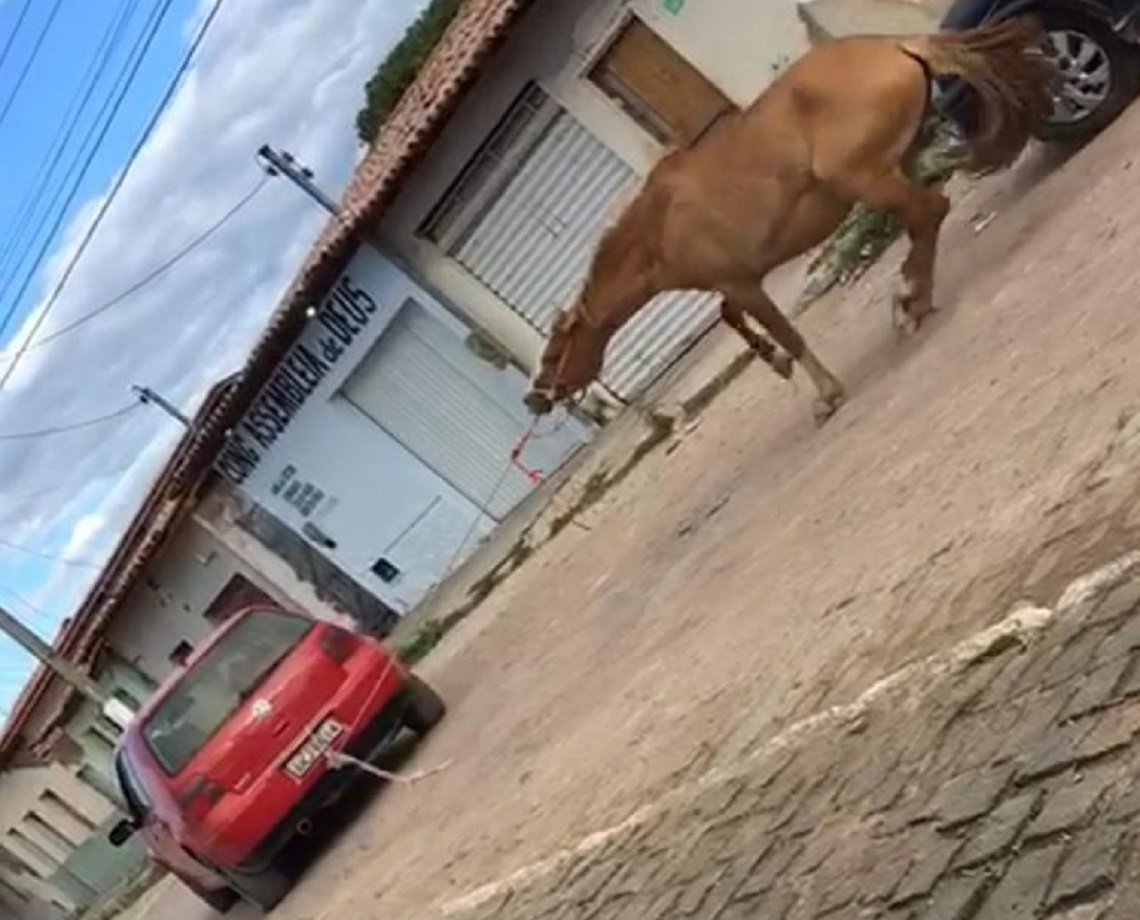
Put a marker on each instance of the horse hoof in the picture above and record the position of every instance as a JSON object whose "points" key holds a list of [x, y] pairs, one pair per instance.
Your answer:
{"points": [[783, 365], [907, 320], [825, 407]]}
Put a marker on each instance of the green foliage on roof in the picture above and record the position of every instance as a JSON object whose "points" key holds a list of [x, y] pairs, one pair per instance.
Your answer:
{"points": [[401, 66]]}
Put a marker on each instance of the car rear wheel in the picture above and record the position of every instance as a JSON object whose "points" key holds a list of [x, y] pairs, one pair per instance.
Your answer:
{"points": [[221, 900], [1100, 76], [426, 708], [264, 890]]}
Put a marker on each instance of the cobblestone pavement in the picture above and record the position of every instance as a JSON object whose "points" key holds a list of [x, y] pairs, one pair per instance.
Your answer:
{"points": [[997, 782]]}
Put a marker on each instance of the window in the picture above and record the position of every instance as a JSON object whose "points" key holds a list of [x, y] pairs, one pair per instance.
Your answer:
{"points": [[181, 653], [386, 571], [217, 684], [657, 88], [494, 164]]}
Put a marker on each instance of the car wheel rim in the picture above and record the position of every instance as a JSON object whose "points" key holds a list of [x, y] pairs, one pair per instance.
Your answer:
{"points": [[1086, 74]]}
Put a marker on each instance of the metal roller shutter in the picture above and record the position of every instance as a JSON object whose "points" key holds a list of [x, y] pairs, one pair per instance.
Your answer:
{"points": [[459, 415], [532, 240]]}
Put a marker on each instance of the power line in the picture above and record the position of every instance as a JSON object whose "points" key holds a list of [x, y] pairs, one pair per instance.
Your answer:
{"points": [[60, 486], [74, 426], [24, 602], [183, 67], [15, 31], [113, 104], [161, 269], [65, 130], [30, 61], [49, 557]]}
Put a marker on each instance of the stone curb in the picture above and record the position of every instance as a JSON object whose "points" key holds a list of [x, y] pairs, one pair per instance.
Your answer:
{"points": [[1020, 628]]}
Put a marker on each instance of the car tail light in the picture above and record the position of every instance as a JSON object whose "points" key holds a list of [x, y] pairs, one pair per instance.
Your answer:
{"points": [[339, 644], [200, 798]]}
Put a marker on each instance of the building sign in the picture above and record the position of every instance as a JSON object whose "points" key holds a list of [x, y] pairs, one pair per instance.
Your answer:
{"points": [[304, 497], [346, 312]]}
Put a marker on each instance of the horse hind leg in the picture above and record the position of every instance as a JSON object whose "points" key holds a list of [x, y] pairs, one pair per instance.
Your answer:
{"points": [[753, 300], [780, 361], [921, 211]]}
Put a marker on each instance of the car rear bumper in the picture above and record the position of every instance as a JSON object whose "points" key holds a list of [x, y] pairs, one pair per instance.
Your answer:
{"points": [[364, 745]]}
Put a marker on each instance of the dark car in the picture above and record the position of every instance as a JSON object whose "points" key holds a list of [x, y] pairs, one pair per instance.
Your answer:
{"points": [[1094, 46]]}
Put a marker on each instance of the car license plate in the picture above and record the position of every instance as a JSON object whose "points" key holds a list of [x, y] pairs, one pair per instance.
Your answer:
{"points": [[314, 748]]}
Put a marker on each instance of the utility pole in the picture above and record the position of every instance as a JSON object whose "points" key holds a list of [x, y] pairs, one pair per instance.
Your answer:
{"points": [[147, 396], [285, 164], [40, 650]]}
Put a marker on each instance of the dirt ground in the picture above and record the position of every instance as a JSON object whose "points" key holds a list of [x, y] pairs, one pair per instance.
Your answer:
{"points": [[764, 568]]}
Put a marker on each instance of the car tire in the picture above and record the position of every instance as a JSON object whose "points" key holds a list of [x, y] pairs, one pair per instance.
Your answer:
{"points": [[264, 890], [426, 708], [1067, 31], [221, 900]]}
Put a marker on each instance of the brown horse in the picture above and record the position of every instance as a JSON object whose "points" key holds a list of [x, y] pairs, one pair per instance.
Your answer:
{"points": [[842, 125]]}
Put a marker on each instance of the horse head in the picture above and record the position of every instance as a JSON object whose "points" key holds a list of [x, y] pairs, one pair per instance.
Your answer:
{"points": [[570, 362]]}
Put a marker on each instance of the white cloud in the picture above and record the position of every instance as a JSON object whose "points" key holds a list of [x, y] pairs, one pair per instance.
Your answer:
{"points": [[285, 72]]}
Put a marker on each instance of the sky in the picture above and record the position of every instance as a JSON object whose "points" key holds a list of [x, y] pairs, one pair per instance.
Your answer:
{"points": [[285, 72]]}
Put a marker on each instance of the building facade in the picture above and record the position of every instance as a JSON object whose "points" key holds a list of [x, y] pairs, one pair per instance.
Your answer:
{"points": [[502, 213], [385, 439]]}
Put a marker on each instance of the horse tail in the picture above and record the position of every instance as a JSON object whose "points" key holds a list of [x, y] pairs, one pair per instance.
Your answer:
{"points": [[1006, 68]]}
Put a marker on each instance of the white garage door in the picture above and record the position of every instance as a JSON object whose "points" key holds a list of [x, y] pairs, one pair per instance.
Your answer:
{"points": [[525, 217], [458, 414]]}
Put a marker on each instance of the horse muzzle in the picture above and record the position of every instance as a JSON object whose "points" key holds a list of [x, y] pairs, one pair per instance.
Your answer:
{"points": [[538, 403]]}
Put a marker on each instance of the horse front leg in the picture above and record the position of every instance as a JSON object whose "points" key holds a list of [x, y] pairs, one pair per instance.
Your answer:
{"points": [[753, 300], [733, 316]]}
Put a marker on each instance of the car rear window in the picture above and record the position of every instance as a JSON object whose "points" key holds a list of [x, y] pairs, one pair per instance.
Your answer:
{"points": [[216, 685]]}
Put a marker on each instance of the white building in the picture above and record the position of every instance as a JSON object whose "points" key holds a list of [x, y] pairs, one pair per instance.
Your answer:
{"points": [[384, 440], [378, 414]]}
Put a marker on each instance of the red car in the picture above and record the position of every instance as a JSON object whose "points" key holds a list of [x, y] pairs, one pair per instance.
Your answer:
{"points": [[229, 760]]}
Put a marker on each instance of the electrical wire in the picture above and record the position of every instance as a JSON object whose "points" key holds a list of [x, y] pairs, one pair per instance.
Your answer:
{"points": [[15, 31], [111, 104], [65, 130], [74, 426], [156, 272], [184, 66], [116, 187], [24, 602], [39, 42], [60, 486], [49, 557]]}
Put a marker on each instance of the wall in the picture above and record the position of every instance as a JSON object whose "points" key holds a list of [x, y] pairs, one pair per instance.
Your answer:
{"points": [[38, 833], [285, 559], [167, 604], [372, 490], [737, 45]]}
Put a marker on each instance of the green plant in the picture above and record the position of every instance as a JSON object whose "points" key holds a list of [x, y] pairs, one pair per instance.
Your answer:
{"points": [[415, 649], [400, 67]]}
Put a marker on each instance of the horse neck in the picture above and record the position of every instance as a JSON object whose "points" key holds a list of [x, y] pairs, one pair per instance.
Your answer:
{"points": [[620, 282]]}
